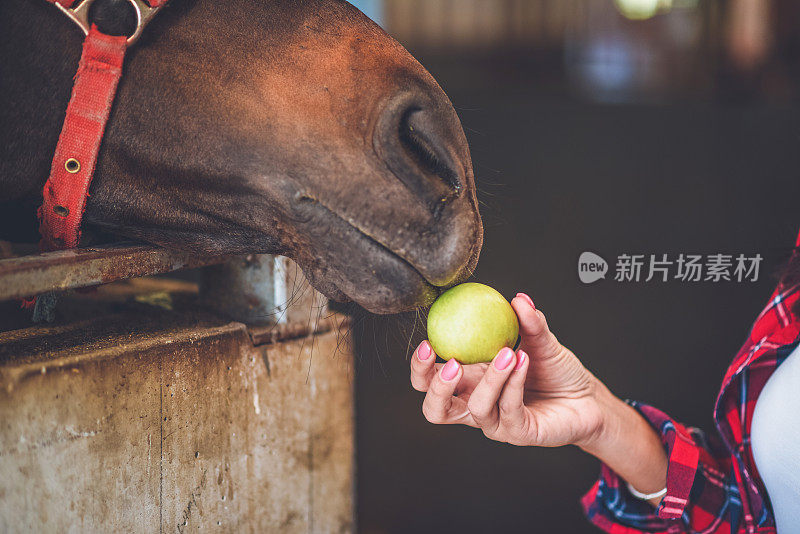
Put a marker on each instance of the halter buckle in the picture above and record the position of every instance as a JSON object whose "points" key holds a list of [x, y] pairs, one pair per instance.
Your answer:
{"points": [[80, 16]]}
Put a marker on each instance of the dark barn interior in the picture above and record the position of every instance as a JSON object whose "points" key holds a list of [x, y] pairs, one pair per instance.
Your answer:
{"points": [[595, 132]]}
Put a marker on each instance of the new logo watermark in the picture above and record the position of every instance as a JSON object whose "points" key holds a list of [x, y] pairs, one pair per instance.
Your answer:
{"points": [[591, 267], [664, 267]]}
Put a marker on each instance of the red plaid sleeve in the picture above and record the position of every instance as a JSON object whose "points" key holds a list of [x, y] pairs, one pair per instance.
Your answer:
{"points": [[702, 494]]}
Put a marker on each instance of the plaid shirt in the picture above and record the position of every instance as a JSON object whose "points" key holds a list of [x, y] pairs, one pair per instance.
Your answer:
{"points": [[712, 482]]}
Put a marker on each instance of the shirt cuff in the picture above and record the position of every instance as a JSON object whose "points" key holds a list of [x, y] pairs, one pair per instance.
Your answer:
{"points": [[610, 505]]}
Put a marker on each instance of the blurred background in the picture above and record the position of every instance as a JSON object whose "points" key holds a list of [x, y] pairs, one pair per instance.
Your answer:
{"points": [[613, 126]]}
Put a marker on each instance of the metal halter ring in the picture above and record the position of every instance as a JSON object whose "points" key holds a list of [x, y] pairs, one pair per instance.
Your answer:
{"points": [[80, 16]]}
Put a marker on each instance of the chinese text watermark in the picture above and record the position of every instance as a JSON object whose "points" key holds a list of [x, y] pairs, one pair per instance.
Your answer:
{"points": [[664, 267]]}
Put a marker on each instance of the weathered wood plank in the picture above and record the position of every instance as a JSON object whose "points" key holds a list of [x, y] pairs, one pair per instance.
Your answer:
{"points": [[176, 429]]}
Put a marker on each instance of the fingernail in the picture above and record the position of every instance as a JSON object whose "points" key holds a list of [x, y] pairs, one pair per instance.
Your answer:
{"points": [[424, 351], [527, 299], [450, 370], [521, 357], [503, 358]]}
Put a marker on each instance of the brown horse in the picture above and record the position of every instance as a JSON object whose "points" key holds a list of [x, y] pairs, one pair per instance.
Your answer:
{"points": [[288, 127]]}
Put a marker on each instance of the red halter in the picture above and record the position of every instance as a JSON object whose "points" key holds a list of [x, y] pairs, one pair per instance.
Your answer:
{"points": [[99, 71]]}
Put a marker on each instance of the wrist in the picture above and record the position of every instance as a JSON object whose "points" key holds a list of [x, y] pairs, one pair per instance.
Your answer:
{"points": [[610, 411]]}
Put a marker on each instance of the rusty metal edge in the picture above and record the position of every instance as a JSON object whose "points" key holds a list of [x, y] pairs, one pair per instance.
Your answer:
{"points": [[75, 268], [11, 375]]}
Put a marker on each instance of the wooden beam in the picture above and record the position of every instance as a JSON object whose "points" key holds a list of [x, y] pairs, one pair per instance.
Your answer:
{"points": [[70, 269]]}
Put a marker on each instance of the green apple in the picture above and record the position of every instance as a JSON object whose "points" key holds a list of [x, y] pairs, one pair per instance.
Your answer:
{"points": [[471, 322]]}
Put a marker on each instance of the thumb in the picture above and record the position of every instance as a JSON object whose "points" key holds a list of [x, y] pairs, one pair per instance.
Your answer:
{"points": [[535, 335]]}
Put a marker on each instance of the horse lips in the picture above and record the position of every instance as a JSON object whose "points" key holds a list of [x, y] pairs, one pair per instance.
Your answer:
{"points": [[471, 322]]}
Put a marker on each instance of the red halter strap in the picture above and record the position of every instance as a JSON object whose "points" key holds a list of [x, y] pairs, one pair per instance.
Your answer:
{"points": [[99, 72], [67, 188]]}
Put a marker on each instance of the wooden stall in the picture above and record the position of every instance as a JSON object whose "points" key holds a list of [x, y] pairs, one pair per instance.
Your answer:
{"points": [[145, 408]]}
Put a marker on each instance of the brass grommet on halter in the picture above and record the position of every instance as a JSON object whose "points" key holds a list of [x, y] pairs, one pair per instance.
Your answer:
{"points": [[72, 165], [62, 211]]}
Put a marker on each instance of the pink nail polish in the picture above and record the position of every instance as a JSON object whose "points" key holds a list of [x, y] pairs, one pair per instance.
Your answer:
{"points": [[503, 359], [521, 357], [424, 351], [450, 370], [527, 299]]}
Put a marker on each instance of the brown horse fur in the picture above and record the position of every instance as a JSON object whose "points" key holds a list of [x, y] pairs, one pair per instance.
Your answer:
{"points": [[241, 126]]}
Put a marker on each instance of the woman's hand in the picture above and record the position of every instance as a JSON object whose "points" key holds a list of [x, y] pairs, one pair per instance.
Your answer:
{"points": [[546, 399], [541, 395]]}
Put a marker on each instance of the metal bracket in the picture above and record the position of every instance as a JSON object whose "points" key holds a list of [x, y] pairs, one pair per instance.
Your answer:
{"points": [[252, 289], [80, 16]]}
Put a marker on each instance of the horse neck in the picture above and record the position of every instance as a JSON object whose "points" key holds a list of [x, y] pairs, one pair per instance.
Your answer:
{"points": [[39, 53]]}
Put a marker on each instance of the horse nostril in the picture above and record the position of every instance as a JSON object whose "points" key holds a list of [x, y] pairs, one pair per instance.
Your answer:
{"points": [[419, 138]]}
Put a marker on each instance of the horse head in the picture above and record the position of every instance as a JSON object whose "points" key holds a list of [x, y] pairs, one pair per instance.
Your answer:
{"points": [[288, 127]]}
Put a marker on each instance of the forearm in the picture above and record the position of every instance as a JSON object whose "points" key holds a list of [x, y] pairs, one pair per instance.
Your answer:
{"points": [[628, 445]]}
